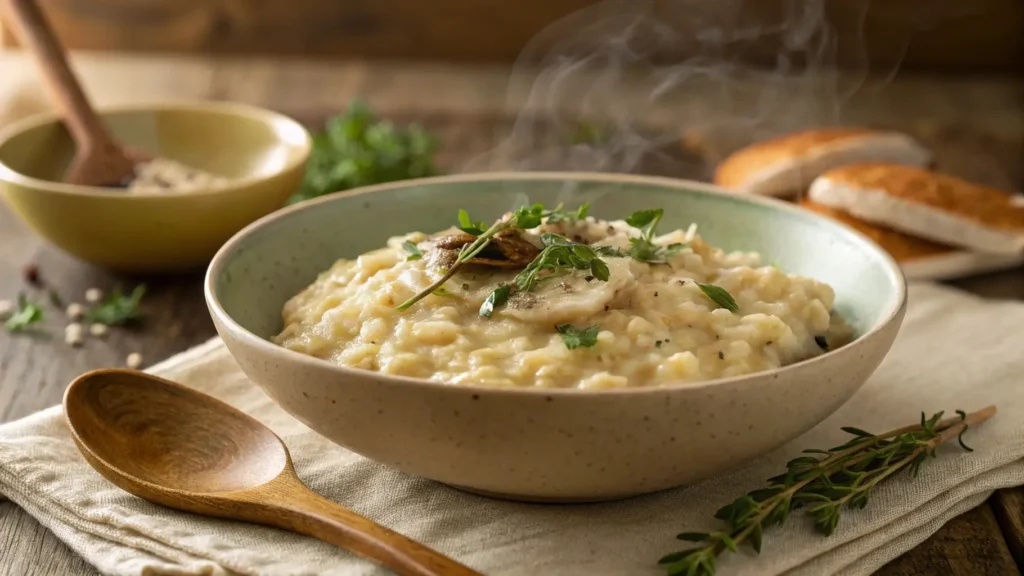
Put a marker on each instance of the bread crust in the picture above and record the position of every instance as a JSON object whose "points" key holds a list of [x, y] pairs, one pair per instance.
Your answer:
{"points": [[922, 259], [931, 205], [785, 166], [902, 247]]}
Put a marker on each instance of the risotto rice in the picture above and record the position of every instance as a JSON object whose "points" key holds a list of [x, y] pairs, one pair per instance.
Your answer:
{"points": [[654, 323]]}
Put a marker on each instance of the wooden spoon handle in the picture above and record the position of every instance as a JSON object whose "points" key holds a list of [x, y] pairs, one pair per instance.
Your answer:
{"points": [[33, 29], [306, 512]]}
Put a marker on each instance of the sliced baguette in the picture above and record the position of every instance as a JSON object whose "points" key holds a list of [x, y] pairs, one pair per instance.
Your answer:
{"points": [[938, 207], [902, 247], [922, 259], [785, 166]]}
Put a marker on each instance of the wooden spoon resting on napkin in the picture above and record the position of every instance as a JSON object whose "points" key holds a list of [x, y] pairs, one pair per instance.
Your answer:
{"points": [[171, 445]]}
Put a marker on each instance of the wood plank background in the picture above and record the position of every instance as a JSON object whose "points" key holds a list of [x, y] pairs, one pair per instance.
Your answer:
{"points": [[938, 35]]}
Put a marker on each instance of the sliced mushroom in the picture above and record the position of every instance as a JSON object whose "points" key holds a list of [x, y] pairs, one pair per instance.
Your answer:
{"points": [[507, 249], [572, 298]]}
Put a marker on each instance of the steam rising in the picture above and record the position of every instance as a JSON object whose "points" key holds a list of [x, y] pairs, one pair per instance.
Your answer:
{"points": [[671, 86]]}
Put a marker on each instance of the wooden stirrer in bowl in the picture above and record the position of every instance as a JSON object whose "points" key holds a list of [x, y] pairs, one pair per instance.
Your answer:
{"points": [[99, 160]]}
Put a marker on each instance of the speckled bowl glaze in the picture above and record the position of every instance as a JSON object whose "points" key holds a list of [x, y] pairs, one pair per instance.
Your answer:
{"points": [[537, 444]]}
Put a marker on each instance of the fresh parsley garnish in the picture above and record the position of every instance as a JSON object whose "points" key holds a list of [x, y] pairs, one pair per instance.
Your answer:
{"points": [[559, 215], [497, 299], [559, 257], [575, 337], [27, 313], [414, 251], [467, 225], [719, 296], [643, 248], [526, 217], [357, 149], [118, 309]]}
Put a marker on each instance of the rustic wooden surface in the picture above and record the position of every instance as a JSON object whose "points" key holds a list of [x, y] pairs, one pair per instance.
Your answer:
{"points": [[977, 129], [1009, 511], [922, 34]]}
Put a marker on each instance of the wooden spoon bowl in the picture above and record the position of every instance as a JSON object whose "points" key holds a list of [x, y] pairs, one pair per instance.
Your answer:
{"points": [[174, 446], [99, 159]]}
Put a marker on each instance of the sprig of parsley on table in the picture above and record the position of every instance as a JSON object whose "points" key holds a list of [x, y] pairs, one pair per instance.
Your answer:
{"points": [[118, 309], [643, 248], [358, 149], [25, 315]]}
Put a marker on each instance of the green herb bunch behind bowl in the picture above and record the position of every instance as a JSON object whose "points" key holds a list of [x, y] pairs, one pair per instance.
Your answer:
{"points": [[358, 149]]}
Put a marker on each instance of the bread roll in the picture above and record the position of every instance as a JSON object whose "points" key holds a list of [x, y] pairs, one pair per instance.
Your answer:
{"points": [[938, 207], [786, 166]]}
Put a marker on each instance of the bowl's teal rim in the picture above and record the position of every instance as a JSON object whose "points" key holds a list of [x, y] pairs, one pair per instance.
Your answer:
{"points": [[281, 124], [220, 259]]}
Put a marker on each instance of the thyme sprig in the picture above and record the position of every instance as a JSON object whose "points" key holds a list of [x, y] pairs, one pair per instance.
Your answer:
{"points": [[467, 253], [525, 218], [825, 482]]}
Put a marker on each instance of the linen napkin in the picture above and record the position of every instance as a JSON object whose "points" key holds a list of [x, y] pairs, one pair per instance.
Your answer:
{"points": [[955, 351]]}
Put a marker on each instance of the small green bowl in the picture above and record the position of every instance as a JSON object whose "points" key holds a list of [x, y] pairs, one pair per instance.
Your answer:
{"points": [[262, 153]]}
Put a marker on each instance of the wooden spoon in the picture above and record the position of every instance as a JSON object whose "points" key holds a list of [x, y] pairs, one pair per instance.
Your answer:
{"points": [[99, 159], [183, 449]]}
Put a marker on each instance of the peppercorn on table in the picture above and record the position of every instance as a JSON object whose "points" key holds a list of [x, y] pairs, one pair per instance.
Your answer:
{"points": [[464, 108]]}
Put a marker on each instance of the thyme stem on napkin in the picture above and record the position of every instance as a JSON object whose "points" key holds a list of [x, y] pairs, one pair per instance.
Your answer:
{"points": [[824, 482]]}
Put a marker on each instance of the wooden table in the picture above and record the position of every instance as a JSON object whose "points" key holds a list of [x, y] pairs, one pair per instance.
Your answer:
{"points": [[976, 127]]}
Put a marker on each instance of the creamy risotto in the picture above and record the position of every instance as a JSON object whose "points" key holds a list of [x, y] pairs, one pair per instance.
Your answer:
{"points": [[533, 309]]}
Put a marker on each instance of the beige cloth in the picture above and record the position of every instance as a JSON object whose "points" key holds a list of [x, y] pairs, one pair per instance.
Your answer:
{"points": [[955, 351]]}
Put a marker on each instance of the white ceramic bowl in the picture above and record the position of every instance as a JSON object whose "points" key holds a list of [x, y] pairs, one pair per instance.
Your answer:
{"points": [[537, 444]]}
